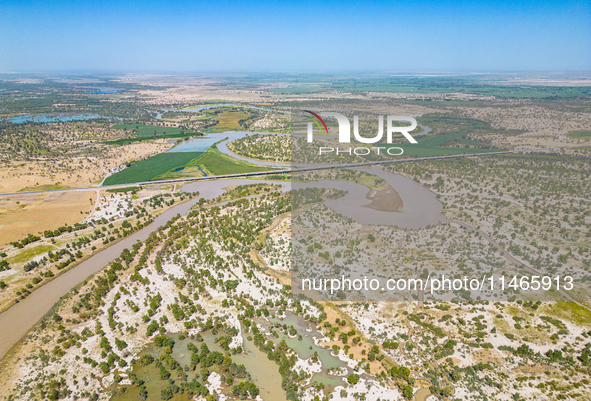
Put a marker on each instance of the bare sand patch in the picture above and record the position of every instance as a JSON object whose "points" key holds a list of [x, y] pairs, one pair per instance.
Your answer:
{"points": [[25, 214], [385, 200], [422, 394], [488, 356], [332, 313], [534, 369], [48, 175], [283, 277]]}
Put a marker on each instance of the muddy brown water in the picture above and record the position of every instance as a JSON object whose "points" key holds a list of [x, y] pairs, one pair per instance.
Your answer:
{"points": [[20, 318], [421, 208], [264, 372]]}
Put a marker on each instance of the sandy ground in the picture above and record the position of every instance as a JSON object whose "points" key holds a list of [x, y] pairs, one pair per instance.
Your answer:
{"points": [[542, 126], [331, 315], [279, 257], [385, 200], [111, 207], [33, 213], [50, 174], [74, 172], [203, 90], [574, 80]]}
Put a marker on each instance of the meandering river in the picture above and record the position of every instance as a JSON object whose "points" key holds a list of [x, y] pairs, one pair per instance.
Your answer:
{"points": [[19, 319], [202, 144], [420, 209]]}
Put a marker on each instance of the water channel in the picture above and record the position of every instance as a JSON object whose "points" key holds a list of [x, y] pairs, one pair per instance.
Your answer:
{"points": [[420, 208]]}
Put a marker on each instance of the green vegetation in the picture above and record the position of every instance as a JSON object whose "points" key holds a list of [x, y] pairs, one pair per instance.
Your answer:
{"points": [[447, 123], [216, 163], [167, 379], [197, 106], [263, 147], [140, 132], [30, 253], [426, 85], [25, 241], [427, 146], [579, 134], [228, 120], [435, 145], [179, 165], [126, 189], [48, 187], [278, 177], [531, 206], [4, 265], [570, 311], [278, 147], [149, 169], [48, 96]]}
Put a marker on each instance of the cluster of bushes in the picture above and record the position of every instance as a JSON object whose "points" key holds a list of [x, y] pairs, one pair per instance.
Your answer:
{"points": [[30, 238], [30, 266], [63, 229], [390, 345], [245, 390]]}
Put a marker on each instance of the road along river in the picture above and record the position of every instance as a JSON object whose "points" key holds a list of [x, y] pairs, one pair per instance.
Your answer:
{"points": [[19, 319], [420, 208]]}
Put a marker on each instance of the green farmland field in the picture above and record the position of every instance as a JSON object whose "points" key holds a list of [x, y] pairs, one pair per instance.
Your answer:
{"points": [[121, 190], [149, 169], [579, 134], [217, 163], [145, 132]]}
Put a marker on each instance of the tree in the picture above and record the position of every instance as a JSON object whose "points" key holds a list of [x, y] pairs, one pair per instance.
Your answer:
{"points": [[166, 394], [353, 379], [245, 390], [407, 392], [143, 393]]}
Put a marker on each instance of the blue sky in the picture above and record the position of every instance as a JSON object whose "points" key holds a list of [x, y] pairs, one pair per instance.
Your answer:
{"points": [[331, 36]]}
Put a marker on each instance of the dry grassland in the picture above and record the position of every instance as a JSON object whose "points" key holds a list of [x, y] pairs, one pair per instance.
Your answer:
{"points": [[73, 172], [34, 213]]}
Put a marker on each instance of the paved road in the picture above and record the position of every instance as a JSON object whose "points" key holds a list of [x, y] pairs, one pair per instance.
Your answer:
{"points": [[16, 321], [15, 318], [283, 171]]}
